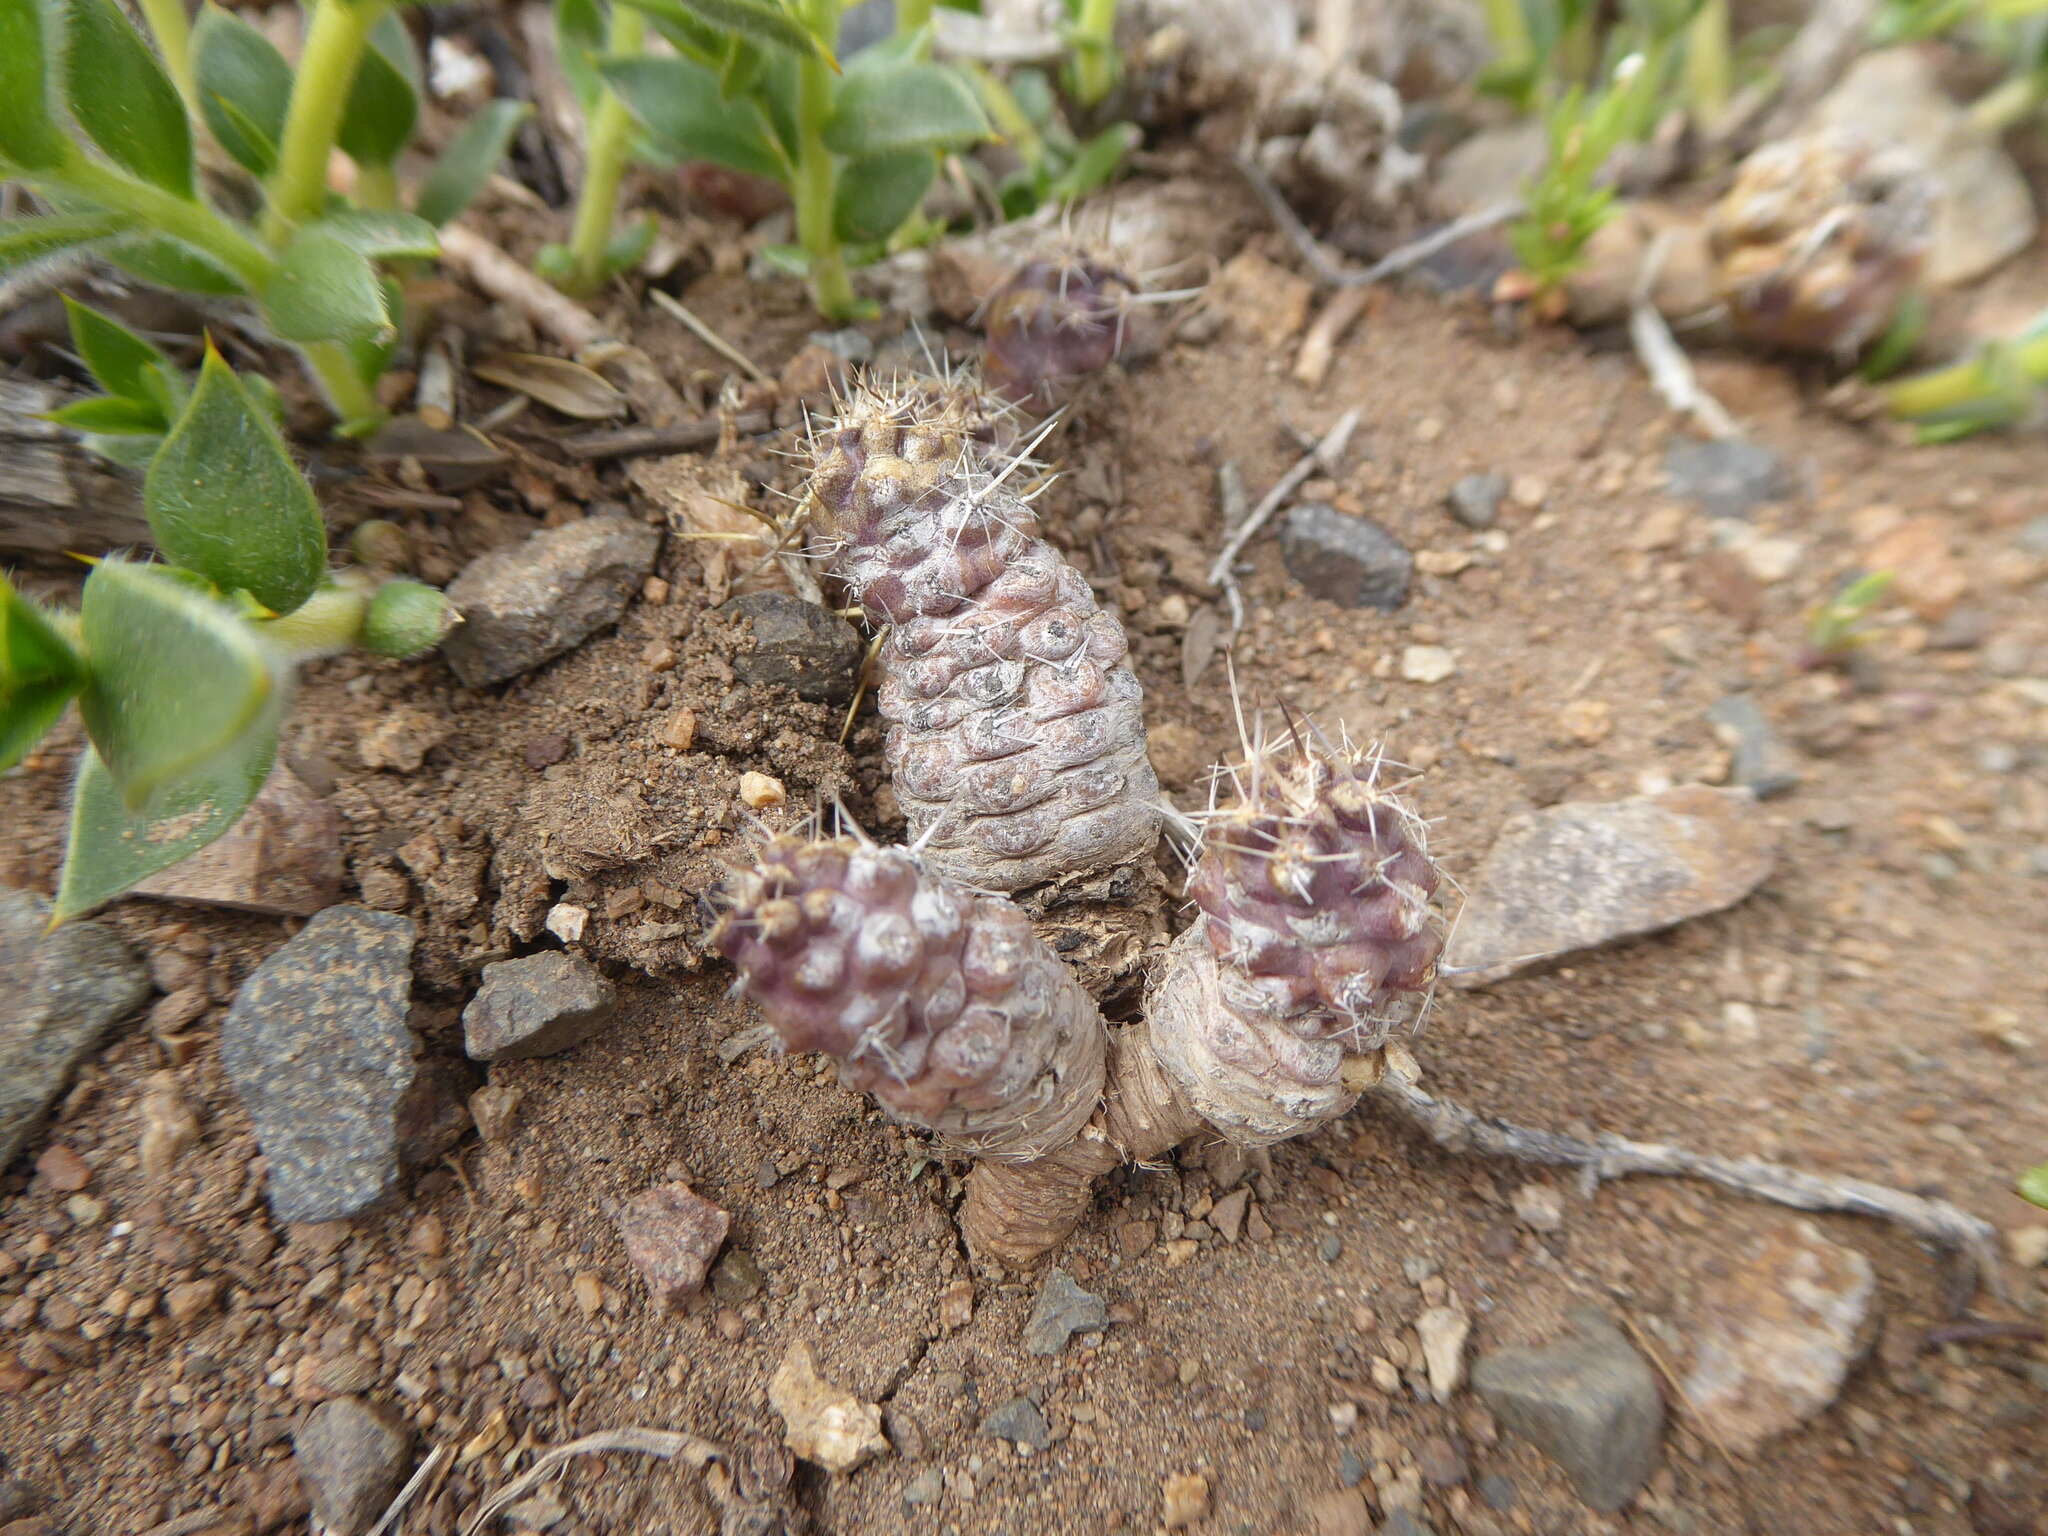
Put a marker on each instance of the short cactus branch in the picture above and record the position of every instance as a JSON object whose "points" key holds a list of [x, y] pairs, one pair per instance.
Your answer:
{"points": [[1457, 1129], [1016, 734]]}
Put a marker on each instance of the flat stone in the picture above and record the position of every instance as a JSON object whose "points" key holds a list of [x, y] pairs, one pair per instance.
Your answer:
{"points": [[283, 858], [1063, 1309], [1763, 764], [317, 1045], [1401, 1522], [1342, 1513], [1583, 874], [1475, 499], [1726, 477], [1774, 1333], [1348, 560], [823, 1422], [1589, 1403], [527, 604], [797, 645], [351, 1457], [1019, 1420], [672, 1234], [59, 995], [1443, 1331], [536, 1005]]}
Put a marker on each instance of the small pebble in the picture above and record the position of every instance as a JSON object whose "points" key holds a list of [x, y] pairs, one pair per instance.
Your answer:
{"points": [[761, 791], [1475, 499], [1427, 663], [63, 1169], [1184, 1499]]}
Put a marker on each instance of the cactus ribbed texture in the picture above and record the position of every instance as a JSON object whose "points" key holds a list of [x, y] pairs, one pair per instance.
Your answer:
{"points": [[1016, 737], [941, 1003], [1317, 940], [1818, 242], [1051, 322]]}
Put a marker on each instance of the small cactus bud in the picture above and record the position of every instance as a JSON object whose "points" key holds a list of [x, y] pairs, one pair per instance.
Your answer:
{"points": [[1818, 242], [1317, 940], [407, 618], [1016, 734], [941, 1003], [1054, 321], [380, 545]]}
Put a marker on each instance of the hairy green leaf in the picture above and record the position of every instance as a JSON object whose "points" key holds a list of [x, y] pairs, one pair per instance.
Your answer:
{"points": [[29, 134], [115, 415], [324, 290], [176, 675], [579, 39], [171, 264], [39, 672], [894, 107], [468, 160], [30, 239], [381, 236], [245, 88], [384, 102], [2034, 1185], [758, 21], [1096, 163], [224, 498], [115, 354], [677, 102], [113, 847], [121, 96], [875, 196]]}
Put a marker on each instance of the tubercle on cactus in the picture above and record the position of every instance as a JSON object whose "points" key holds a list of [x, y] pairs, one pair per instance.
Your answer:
{"points": [[941, 1003], [1016, 734]]}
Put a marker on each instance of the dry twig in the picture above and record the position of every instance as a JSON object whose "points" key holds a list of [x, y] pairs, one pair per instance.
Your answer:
{"points": [[1670, 370], [1323, 456], [682, 437], [665, 1443], [703, 332]]}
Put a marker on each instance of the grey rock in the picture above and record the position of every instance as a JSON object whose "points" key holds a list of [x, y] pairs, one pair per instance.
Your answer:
{"points": [[1063, 1309], [1491, 167], [283, 858], [1983, 212], [351, 1457], [797, 645], [59, 995], [1400, 1522], [1726, 477], [1589, 1403], [1584, 874], [1350, 1468], [536, 1005], [1019, 1420], [2033, 535], [1763, 764], [925, 1488], [1475, 500], [529, 603], [316, 1044], [1497, 1492], [1348, 560]]}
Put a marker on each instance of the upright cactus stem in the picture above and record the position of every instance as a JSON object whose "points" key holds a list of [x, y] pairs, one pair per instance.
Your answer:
{"points": [[941, 1003], [1016, 734]]}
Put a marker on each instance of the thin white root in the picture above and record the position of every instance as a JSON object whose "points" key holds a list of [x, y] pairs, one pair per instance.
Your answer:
{"points": [[667, 1444], [1670, 370], [1457, 1129]]}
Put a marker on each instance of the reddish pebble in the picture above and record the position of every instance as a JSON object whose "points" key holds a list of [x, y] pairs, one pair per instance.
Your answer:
{"points": [[672, 1234], [63, 1169]]}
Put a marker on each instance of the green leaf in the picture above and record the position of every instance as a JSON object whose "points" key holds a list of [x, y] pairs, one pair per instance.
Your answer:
{"points": [[170, 264], [113, 847], [112, 414], [579, 38], [39, 672], [875, 196], [758, 21], [2034, 1185], [324, 290], [677, 102], [468, 161], [379, 235], [115, 354], [895, 107], [176, 675], [121, 96], [245, 88], [629, 247], [29, 239], [29, 135], [224, 498], [1097, 162], [384, 102]]}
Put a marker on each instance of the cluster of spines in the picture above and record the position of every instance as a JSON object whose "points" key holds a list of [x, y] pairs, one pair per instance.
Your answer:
{"points": [[940, 1002]]}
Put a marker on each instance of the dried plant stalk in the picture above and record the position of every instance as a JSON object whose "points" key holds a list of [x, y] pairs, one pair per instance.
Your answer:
{"points": [[941, 1003], [1016, 734]]}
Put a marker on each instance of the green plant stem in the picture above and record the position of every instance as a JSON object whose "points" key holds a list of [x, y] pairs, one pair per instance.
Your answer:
{"points": [[329, 621], [1514, 49], [1008, 115], [2009, 104], [1094, 51], [320, 87], [183, 219], [1709, 63], [173, 31], [377, 187], [1961, 384], [611, 141], [817, 176]]}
